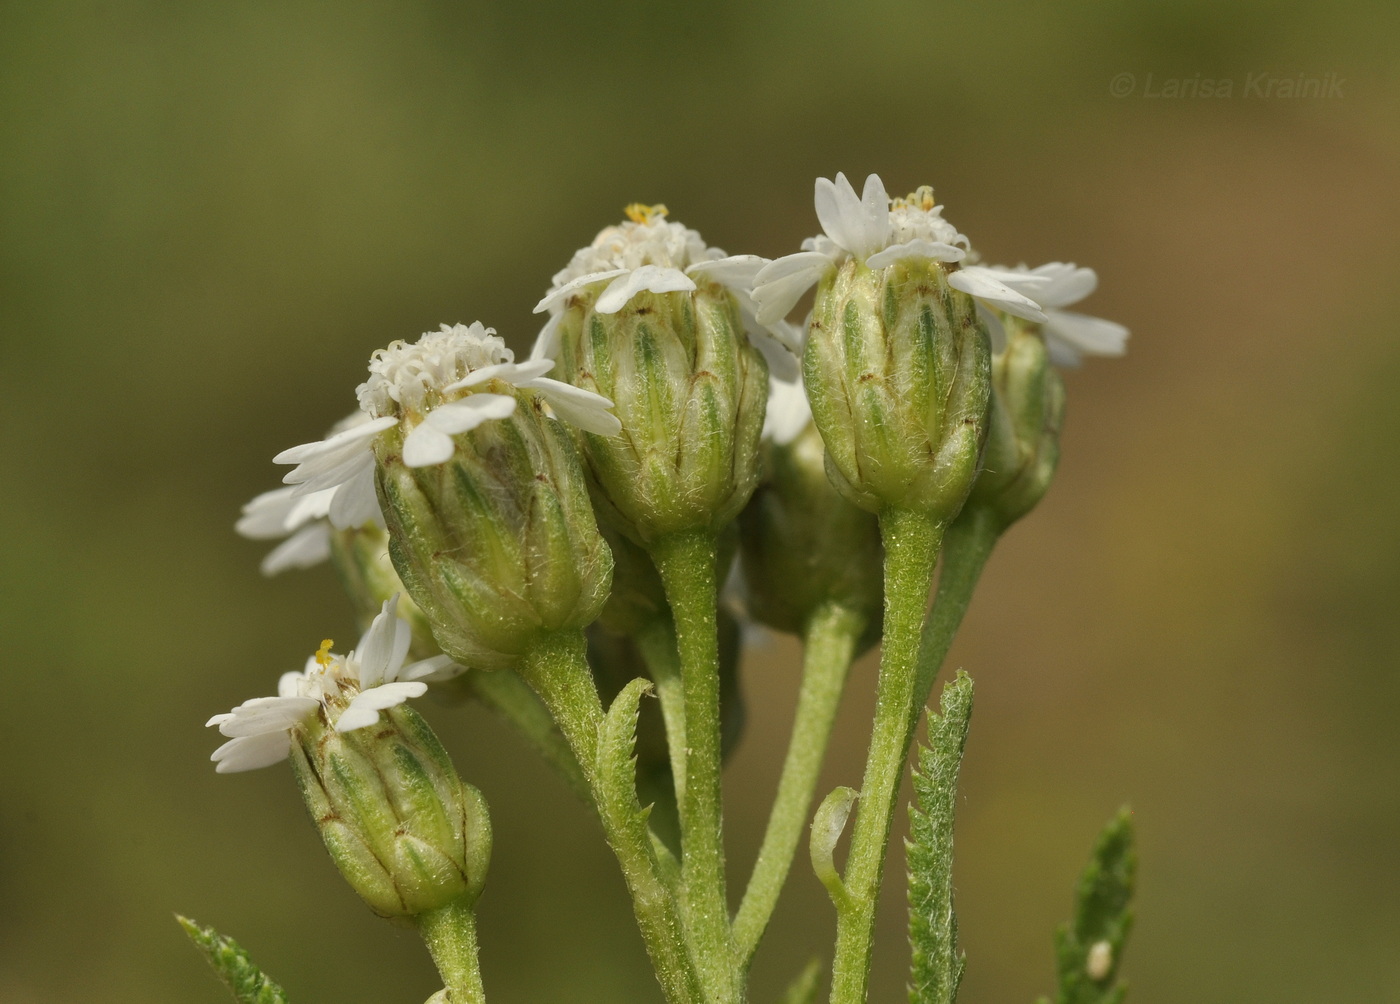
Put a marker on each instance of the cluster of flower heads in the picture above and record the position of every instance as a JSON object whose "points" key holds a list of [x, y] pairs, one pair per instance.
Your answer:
{"points": [[455, 379]]}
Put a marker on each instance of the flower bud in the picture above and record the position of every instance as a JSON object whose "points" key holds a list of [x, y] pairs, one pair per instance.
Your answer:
{"points": [[897, 369], [1023, 442], [406, 832], [665, 338], [802, 545]]}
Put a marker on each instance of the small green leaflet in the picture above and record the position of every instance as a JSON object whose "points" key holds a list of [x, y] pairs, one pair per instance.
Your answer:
{"points": [[231, 962], [936, 967], [1088, 950]]}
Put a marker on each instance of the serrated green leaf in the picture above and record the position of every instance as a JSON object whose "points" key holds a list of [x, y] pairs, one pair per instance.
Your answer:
{"points": [[1089, 949], [936, 965], [803, 990], [616, 765], [248, 983]]}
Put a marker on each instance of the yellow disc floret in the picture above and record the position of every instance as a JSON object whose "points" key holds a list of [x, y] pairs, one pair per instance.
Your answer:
{"points": [[920, 198], [639, 213]]}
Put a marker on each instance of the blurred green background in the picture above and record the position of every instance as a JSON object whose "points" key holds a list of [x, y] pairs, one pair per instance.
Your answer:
{"points": [[210, 214]]}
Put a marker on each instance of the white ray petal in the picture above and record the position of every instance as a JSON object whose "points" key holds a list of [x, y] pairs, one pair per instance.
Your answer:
{"points": [[252, 752], [364, 708], [841, 214], [652, 278], [355, 503], [427, 445], [918, 248], [547, 341], [309, 546], [736, 270], [557, 296], [341, 444], [788, 412], [983, 284], [1081, 333], [589, 411], [432, 670], [381, 651], [875, 216], [512, 373], [266, 714]]}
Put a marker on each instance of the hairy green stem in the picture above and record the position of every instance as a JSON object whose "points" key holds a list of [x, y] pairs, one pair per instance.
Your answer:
{"points": [[686, 561], [829, 642], [911, 552], [450, 934], [556, 666], [966, 548], [509, 697]]}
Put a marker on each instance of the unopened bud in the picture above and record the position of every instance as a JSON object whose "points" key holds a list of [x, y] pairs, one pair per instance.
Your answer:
{"points": [[1023, 442]]}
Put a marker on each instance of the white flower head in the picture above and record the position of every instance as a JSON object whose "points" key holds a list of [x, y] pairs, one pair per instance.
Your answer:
{"points": [[649, 254], [878, 231], [350, 690], [448, 382], [1069, 336]]}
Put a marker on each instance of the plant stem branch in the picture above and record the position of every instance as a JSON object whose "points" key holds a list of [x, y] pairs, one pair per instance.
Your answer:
{"points": [[911, 552], [829, 643], [686, 561], [450, 934], [556, 667]]}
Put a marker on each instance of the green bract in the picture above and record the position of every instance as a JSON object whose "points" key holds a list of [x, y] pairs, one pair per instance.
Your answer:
{"points": [[897, 368]]}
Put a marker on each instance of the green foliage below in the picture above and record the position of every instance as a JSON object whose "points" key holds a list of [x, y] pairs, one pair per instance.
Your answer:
{"points": [[803, 990], [936, 967], [248, 983], [1089, 949]]}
